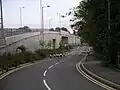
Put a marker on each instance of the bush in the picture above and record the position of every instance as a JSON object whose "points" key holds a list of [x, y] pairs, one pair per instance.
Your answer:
{"points": [[36, 57], [21, 48], [9, 60], [41, 53]]}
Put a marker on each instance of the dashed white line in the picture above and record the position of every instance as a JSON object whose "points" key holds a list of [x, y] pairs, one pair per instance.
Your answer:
{"points": [[50, 67], [44, 81], [61, 61], [57, 63], [45, 73]]}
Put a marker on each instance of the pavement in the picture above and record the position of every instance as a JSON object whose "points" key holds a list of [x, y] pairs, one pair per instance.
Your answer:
{"points": [[95, 67], [54, 74]]}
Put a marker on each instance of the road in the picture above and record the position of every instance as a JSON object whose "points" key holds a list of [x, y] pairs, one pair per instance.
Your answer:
{"points": [[55, 74]]}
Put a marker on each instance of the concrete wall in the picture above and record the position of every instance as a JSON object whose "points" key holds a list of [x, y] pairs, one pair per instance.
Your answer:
{"points": [[31, 40]]}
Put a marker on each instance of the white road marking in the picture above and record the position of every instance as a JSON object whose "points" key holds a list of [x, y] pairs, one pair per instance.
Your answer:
{"points": [[90, 78], [11, 71], [44, 81], [57, 63], [45, 73], [50, 67], [61, 61], [21, 67]]}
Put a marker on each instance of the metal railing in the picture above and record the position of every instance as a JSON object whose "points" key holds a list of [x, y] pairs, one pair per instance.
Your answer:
{"points": [[14, 31]]}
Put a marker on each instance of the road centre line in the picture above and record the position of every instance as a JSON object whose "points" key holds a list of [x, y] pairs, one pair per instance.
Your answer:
{"points": [[45, 73], [44, 81], [50, 67]]}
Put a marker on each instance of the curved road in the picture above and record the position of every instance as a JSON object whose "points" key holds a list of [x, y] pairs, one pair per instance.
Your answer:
{"points": [[55, 74]]}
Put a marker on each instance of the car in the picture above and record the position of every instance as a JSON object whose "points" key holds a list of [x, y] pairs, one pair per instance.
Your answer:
{"points": [[54, 55], [61, 55], [84, 51], [51, 56], [57, 55]]}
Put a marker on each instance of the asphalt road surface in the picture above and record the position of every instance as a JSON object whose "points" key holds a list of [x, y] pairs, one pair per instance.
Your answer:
{"points": [[55, 74]]}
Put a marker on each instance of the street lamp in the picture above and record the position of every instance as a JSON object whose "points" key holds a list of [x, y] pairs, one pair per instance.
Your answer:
{"points": [[2, 37], [21, 16], [1, 9], [42, 21], [59, 15], [42, 18], [50, 23]]}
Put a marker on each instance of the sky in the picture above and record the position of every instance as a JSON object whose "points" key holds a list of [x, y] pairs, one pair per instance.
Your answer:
{"points": [[31, 13]]}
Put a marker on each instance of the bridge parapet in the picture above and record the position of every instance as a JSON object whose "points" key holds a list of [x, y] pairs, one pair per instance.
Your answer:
{"points": [[31, 40]]}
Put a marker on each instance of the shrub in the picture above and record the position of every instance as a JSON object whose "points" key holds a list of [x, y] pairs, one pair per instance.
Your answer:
{"points": [[9, 60], [21, 48], [41, 53]]}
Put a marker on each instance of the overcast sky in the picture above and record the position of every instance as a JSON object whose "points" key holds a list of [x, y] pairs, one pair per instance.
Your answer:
{"points": [[31, 12]]}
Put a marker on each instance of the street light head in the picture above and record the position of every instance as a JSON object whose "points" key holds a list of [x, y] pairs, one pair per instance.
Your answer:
{"points": [[59, 13], [45, 6], [48, 6], [22, 7]]}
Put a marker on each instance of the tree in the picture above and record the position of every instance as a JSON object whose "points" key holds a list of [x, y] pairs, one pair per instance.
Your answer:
{"points": [[21, 48], [91, 21], [42, 44], [49, 44], [45, 45], [51, 29], [65, 29], [57, 29], [25, 28]]}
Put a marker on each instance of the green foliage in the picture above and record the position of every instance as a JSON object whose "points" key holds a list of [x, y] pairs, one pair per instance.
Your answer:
{"points": [[42, 43], [49, 45], [41, 52], [91, 21], [9, 60], [51, 29], [57, 29], [45, 45], [21, 48]]}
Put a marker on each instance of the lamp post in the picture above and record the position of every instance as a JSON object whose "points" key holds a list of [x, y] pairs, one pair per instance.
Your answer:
{"points": [[42, 20], [59, 15], [50, 23], [1, 14], [2, 37], [21, 16]]}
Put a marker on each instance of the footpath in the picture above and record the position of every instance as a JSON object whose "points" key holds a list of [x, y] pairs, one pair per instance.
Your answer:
{"points": [[95, 66]]}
